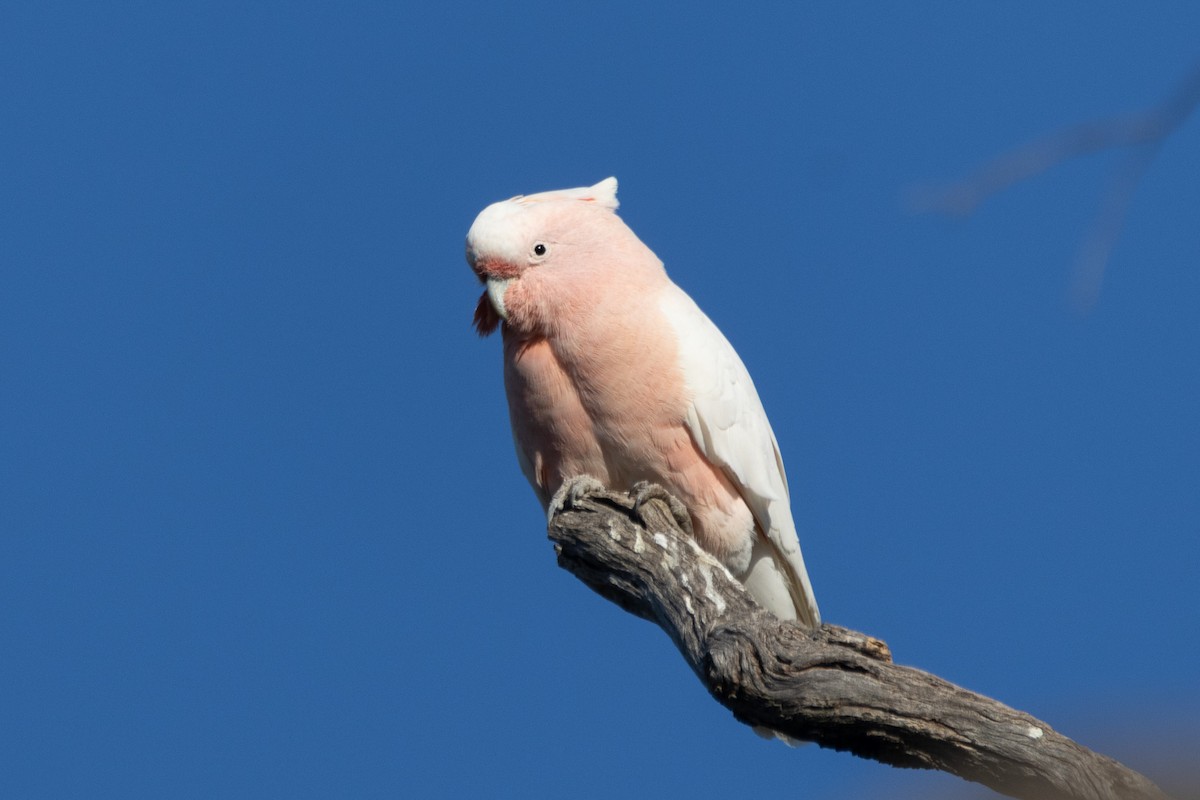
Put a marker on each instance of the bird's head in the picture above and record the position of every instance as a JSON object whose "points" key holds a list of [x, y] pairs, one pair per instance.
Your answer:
{"points": [[524, 247]]}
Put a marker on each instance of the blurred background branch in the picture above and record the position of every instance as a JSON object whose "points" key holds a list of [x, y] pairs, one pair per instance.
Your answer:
{"points": [[1142, 133]]}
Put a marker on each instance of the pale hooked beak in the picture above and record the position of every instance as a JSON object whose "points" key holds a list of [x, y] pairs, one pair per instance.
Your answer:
{"points": [[496, 287]]}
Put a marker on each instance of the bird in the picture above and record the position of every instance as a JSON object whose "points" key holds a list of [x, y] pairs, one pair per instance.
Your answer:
{"points": [[615, 378]]}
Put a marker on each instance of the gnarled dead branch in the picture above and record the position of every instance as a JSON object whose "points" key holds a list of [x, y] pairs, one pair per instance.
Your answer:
{"points": [[832, 686]]}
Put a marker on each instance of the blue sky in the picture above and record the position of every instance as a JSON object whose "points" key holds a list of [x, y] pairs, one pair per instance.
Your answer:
{"points": [[262, 532]]}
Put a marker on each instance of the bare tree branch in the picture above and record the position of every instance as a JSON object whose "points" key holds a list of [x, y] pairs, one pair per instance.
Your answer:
{"points": [[832, 686], [1144, 133]]}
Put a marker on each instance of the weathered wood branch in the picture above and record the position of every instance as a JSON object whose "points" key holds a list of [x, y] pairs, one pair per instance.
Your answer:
{"points": [[832, 686]]}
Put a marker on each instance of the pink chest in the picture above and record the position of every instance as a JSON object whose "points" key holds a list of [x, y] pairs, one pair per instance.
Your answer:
{"points": [[616, 413]]}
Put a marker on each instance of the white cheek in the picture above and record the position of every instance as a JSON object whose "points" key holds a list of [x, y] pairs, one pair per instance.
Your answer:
{"points": [[496, 287]]}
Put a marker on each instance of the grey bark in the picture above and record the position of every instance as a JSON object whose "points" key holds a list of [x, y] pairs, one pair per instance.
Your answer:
{"points": [[830, 685]]}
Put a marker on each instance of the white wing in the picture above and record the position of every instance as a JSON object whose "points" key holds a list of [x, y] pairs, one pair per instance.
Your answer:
{"points": [[729, 425]]}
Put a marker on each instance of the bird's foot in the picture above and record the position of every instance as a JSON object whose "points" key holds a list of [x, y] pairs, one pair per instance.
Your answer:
{"points": [[571, 492], [645, 490]]}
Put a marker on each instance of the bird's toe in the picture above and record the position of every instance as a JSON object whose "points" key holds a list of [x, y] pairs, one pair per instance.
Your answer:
{"points": [[571, 492], [645, 490]]}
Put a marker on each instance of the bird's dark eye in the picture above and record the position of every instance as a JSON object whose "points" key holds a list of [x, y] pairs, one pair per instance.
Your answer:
{"points": [[539, 249]]}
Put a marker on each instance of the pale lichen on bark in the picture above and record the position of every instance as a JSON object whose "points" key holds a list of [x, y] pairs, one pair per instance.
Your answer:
{"points": [[829, 685]]}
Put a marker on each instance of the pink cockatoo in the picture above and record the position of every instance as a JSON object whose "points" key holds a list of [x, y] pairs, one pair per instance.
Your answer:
{"points": [[613, 372]]}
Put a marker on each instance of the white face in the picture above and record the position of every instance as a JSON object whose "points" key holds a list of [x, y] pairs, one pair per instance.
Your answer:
{"points": [[499, 233]]}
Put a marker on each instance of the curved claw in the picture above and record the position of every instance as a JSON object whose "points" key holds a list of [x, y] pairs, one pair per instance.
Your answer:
{"points": [[645, 490], [571, 492]]}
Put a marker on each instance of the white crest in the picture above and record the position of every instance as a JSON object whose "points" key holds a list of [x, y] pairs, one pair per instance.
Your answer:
{"points": [[603, 193]]}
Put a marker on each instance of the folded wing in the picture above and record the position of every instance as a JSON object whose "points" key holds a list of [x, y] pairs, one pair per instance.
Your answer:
{"points": [[729, 425]]}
